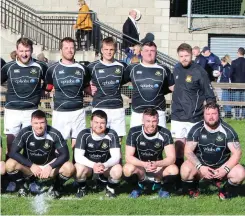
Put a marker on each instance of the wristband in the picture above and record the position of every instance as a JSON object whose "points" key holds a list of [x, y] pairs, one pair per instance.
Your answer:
{"points": [[227, 169], [198, 166]]}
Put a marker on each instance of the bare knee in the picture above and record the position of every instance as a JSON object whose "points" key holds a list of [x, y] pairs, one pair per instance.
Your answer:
{"points": [[67, 169], [171, 170], [116, 172], [11, 165], [237, 174], [81, 171], [187, 171], [2, 168], [128, 169]]}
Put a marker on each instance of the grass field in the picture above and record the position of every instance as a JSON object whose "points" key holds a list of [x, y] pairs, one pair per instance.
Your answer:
{"points": [[97, 204]]}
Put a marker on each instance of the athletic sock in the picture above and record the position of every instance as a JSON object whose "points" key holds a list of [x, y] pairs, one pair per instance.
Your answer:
{"points": [[189, 185], [178, 163], [168, 182], [60, 180], [112, 184], [81, 183]]}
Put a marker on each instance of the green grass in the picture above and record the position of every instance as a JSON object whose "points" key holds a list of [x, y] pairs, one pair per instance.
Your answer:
{"points": [[96, 204]]}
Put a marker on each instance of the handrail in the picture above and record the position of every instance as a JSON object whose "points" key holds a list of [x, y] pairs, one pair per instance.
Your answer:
{"points": [[47, 29]]}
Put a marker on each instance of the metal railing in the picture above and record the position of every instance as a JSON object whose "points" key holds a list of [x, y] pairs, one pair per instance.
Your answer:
{"points": [[47, 28]]}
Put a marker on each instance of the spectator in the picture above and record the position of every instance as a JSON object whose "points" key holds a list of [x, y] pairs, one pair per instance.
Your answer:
{"points": [[225, 78], [13, 55], [212, 61], [200, 59], [83, 25], [41, 57], [133, 53], [238, 76], [130, 29], [149, 37], [2, 63]]}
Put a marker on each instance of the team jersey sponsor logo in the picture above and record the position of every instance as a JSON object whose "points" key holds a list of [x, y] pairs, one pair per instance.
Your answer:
{"points": [[90, 145], [25, 80], [149, 86], [16, 70], [147, 154], [32, 143], [117, 71], [111, 82], [210, 149], [158, 73], [104, 146], [142, 143], [101, 71], [70, 81], [33, 71], [36, 154], [157, 145], [61, 72], [218, 149], [188, 78], [46, 145], [78, 72], [138, 72]]}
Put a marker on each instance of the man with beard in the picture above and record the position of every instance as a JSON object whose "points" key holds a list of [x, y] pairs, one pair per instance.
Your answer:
{"points": [[23, 77], [69, 80], [144, 156], [213, 152], [98, 152], [45, 155], [192, 88]]}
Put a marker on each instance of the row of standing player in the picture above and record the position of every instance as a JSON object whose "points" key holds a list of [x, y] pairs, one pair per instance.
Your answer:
{"points": [[150, 82]]}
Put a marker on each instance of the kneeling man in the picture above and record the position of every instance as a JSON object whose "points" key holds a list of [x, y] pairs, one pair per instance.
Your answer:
{"points": [[97, 151], [45, 155], [213, 152], [144, 156]]}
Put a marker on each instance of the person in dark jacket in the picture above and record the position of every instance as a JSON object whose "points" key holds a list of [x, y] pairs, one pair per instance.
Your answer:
{"points": [[130, 29], [192, 87], [225, 78], [200, 59], [213, 62], [2, 63], [238, 76]]}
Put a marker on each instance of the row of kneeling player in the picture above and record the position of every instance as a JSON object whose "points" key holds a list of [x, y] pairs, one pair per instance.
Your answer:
{"points": [[212, 152]]}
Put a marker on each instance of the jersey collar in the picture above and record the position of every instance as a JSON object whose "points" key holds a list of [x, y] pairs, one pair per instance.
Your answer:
{"points": [[147, 137], [212, 131]]}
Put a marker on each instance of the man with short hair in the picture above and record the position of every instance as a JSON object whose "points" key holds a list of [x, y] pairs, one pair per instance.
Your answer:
{"points": [[98, 152], [200, 59], [107, 77], [69, 79], [24, 82], [144, 156], [213, 152], [238, 76], [45, 155], [150, 81], [192, 88], [213, 62]]}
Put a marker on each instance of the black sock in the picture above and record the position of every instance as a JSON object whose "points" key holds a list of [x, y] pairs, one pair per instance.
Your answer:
{"points": [[229, 186], [81, 183], [168, 182], [13, 176], [190, 185], [60, 180]]}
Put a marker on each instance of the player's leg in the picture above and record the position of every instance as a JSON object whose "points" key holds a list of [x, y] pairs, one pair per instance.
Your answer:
{"points": [[82, 173], [136, 119], [234, 178], [2, 168], [114, 175], [60, 175], [190, 178], [128, 171], [162, 118], [169, 177]]}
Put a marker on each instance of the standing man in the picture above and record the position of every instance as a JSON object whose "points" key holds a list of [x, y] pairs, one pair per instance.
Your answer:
{"points": [[150, 82], [69, 80], [130, 29], [200, 59], [192, 88], [45, 155], [23, 77], [144, 156], [98, 152], [107, 77], [213, 62], [238, 76], [213, 152]]}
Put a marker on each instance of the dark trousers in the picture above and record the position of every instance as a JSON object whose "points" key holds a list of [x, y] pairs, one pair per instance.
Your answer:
{"points": [[83, 35]]}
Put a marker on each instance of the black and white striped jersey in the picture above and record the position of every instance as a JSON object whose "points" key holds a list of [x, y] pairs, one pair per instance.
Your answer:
{"points": [[23, 83], [69, 82], [97, 149], [212, 149], [149, 148], [108, 79], [150, 84]]}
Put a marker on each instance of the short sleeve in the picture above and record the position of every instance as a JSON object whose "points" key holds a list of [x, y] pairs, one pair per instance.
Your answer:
{"points": [[193, 135], [168, 139], [232, 136], [131, 141], [87, 76], [126, 75], [81, 140], [114, 139]]}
